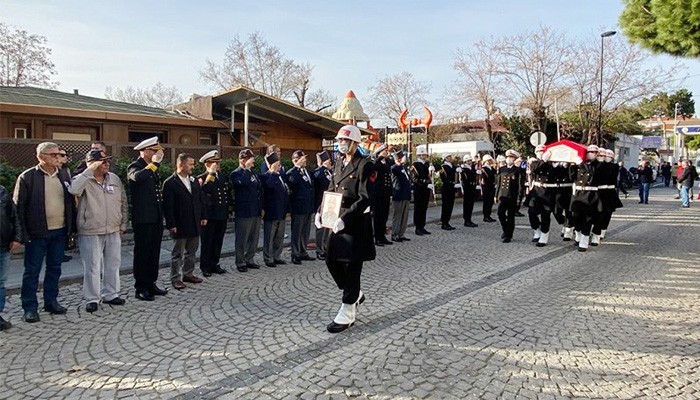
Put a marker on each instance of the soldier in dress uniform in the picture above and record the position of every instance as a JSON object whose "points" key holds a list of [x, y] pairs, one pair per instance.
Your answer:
{"points": [[467, 179], [219, 204], [381, 195], [447, 175], [275, 207], [301, 205], [146, 217], [488, 186], [350, 242], [585, 202], [562, 198], [610, 200], [421, 171], [321, 177], [509, 182], [541, 197], [248, 195], [401, 196]]}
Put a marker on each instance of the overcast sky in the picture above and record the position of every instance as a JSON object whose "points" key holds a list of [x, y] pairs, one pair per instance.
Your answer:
{"points": [[352, 44]]}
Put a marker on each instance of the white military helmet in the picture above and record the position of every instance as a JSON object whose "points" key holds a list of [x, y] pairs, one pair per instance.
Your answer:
{"points": [[421, 151], [500, 158], [609, 153], [512, 153], [349, 132], [486, 157], [592, 149]]}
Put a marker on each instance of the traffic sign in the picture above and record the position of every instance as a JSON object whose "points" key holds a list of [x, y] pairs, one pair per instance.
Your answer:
{"points": [[538, 138]]}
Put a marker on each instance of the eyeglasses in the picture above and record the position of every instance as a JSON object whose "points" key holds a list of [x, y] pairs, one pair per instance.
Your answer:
{"points": [[63, 155], [54, 155]]}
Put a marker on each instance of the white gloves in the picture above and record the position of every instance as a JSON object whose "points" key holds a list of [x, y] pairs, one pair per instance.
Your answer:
{"points": [[546, 156], [458, 185], [339, 225], [317, 221], [158, 157], [578, 160], [431, 186], [458, 170], [431, 169]]}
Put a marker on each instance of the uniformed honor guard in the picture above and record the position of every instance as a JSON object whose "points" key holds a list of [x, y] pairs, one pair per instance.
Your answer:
{"points": [[610, 200], [321, 177], [447, 176], [562, 199], [350, 242], [468, 182], [541, 197], [401, 195], [219, 204], [585, 203], [381, 195], [508, 185], [301, 202], [275, 207], [421, 171], [248, 196], [146, 217], [488, 186]]}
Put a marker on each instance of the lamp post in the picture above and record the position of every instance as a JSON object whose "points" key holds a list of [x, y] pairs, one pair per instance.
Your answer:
{"points": [[600, 93]]}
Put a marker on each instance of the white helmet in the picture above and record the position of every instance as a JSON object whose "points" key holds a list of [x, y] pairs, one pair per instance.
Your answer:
{"points": [[512, 153], [349, 132], [592, 149], [500, 158], [467, 157], [486, 157], [421, 151], [609, 153]]}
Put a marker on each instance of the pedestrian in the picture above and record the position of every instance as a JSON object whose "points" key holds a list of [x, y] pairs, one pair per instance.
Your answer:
{"points": [[301, 203], [248, 197], [421, 177], [623, 178], [45, 210], [103, 213], [321, 177], [146, 217], [275, 208], [10, 240], [350, 243], [401, 198], [666, 173], [686, 181], [646, 178], [447, 176], [585, 203], [467, 179], [216, 193], [674, 174], [541, 198], [488, 186], [381, 194], [508, 186], [185, 215]]}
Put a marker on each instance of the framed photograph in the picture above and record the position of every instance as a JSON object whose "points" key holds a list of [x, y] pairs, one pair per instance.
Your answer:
{"points": [[330, 208]]}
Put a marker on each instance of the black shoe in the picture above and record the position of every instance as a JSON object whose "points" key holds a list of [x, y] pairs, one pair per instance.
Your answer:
{"points": [[66, 258], [540, 244], [376, 243], [489, 219], [470, 224], [206, 274], [145, 295], [506, 239], [252, 266], [55, 309], [91, 307], [337, 328], [4, 325], [404, 239], [503, 235], [419, 233], [280, 262], [581, 249], [396, 240], [385, 241], [156, 291], [321, 256], [519, 214], [296, 260], [271, 265], [31, 317], [447, 227], [425, 232], [218, 270], [242, 268], [307, 257], [117, 301]]}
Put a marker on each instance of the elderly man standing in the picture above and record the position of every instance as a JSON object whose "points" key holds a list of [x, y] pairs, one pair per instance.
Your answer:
{"points": [[102, 216], [301, 201], [248, 197], [275, 207], [146, 217], [45, 211]]}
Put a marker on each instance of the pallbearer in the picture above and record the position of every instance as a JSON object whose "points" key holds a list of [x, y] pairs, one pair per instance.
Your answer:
{"points": [[540, 200], [585, 202], [609, 199]]}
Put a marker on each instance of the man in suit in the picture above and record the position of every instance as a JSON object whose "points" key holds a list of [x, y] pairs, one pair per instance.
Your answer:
{"points": [[184, 215], [381, 195], [421, 171], [401, 195], [275, 207], [321, 177], [146, 217], [273, 148], [248, 195], [350, 241], [447, 175], [509, 182], [218, 201], [301, 206]]}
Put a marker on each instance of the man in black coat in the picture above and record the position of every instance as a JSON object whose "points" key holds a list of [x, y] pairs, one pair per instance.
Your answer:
{"points": [[350, 243], [509, 182], [542, 195], [421, 171], [248, 200], [467, 180], [381, 195], [488, 186], [185, 214], [219, 203], [275, 207], [585, 201], [321, 177], [447, 175], [301, 206], [146, 217]]}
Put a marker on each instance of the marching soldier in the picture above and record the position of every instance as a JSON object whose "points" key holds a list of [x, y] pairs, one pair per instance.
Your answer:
{"points": [[275, 207], [381, 195], [248, 196], [562, 198], [401, 195], [585, 202], [421, 172], [508, 186], [488, 186], [146, 217], [447, 175], [468, 181], [541, 198], [322, 178], [301, 203], [610, 200], [219, 203]]}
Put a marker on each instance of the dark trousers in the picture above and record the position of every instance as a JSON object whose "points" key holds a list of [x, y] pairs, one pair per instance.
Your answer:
{"points": [[212, 242], [273, 240], [381, 216], [563, 217], [448, 203], [147, 239], [468, 205], [621, 186], [602, 222], [247, 238], [507, 208], [50, 247], [421, 198], [541, 220], [347, 277], [488, 203], [322, 241], [301, 228], [583, 221], [667, 180]]}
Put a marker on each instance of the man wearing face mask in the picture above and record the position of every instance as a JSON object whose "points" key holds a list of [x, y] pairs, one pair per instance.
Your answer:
{"points": [[508, 185], [562, 199], [609, 199], [421, 171], [468, 181], [540, 200], [350, 242], [585, 202], [488, 187], [447, 175], [248, 200]]}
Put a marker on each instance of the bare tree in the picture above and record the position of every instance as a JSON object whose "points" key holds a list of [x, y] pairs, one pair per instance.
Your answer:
{"points": [[25, 59], [317, 100], [394, 93], [159, 96]]}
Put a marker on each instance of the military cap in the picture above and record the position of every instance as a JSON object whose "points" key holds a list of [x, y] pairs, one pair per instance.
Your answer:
{"points": [[96, 155], [323, 156], [245, 153], [272, 158], [298, 154], [210, 156], [399, 155], [151, 144]]}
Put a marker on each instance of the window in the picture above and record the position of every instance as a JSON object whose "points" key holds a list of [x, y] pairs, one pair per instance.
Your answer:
{"points": [[139, 136], [21, 133]]}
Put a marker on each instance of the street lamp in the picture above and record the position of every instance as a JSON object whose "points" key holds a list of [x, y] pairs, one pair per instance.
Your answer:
{"points": [[600, 93]]}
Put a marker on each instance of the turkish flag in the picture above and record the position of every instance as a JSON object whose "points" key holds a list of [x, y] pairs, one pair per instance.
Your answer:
{"points": [[566, 151]]}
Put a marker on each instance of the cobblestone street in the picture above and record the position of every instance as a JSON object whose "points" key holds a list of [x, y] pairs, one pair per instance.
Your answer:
{"points": [[452, 315]]}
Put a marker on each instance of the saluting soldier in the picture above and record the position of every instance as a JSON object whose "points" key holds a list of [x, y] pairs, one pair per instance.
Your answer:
{"points": [[541, 197], [509, 182], [219, 204], [488, 186], [585, 203], [321, 177], [248, 196], [401, 196], [610, 200], [301, 206], [421, 170], [381, 195], [350, 242], [275, 207], [468, 181], [447, 175], [146, 217]]}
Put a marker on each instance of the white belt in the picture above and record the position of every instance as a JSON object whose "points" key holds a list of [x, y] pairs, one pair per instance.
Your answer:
{"points": [[606, 187], [595, 188], [552, 185]]}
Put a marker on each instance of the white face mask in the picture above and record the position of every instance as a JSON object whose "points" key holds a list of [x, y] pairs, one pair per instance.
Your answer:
{"points": [[600, 158], [510, 161], [608, 159], [343, 147], [590, 156]]}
